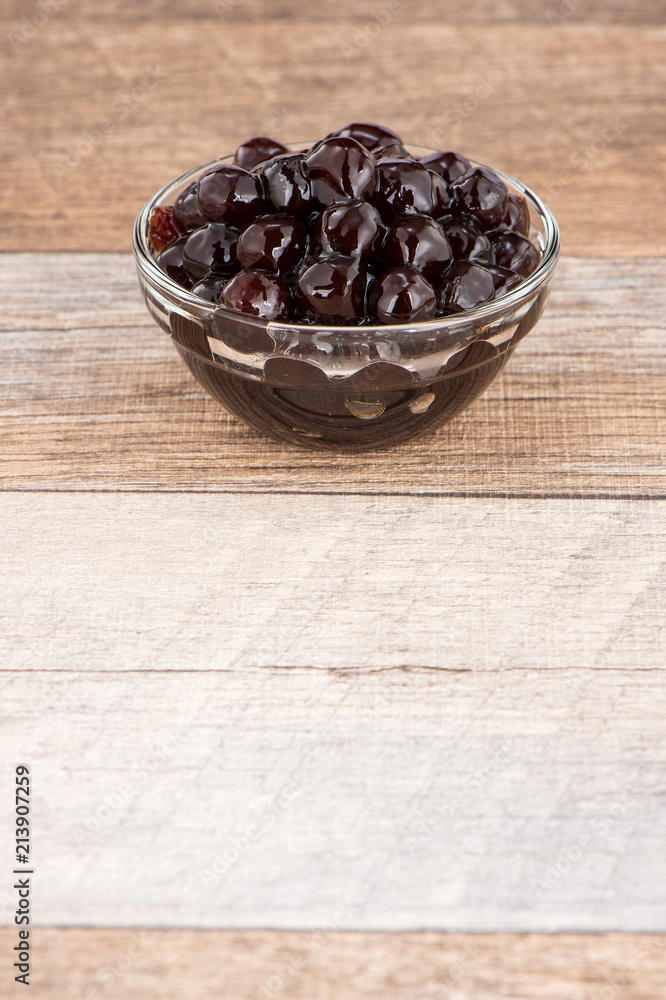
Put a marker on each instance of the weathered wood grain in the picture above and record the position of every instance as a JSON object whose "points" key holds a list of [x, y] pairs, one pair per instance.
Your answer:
{"points": [[355, 12], [527, 800], [215, 582], [161, 647], [228, 965], [94, 397], [572, 110]]}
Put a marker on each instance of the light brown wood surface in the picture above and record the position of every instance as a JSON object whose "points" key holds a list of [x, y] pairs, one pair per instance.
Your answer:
{"points": [[102, 102], [575, 110], [268, 965]]}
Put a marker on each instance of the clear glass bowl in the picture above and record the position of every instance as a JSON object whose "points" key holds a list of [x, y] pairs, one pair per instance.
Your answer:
{"points": [[349, 388]]}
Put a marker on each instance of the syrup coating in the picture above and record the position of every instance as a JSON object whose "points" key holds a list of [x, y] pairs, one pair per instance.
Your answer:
{"points": [[401, 295], [259, 294], [353, 230], [273, 243]]}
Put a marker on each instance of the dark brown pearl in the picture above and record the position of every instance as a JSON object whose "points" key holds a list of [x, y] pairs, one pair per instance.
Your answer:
{"points": [[287, 188], [351, 228], [211, 248], [466, 286], [448, 165], [231, 195], [171, 262], [373, 137], [339, 169], [210, 288], [272, 243], [332, 290], [417, 241], [259, 294], [466, 240], [504, 279], [255, 151], [441, 195], [514, 252], [403, 187], [186, 210], [517, 217], [401, 295], [481, 193]]}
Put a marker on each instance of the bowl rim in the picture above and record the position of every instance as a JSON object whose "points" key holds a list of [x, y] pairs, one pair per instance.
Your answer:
{"points": [[459, 321]]}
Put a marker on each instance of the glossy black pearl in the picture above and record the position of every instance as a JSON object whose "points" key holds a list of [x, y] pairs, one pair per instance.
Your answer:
{"points": [[466, 286], [259, 294], [401, 295], [517, 217], [448, 165], [515, 252], [210, 288], [211, 248], [417, 241], [481, 193], [373, 137], [255, 151], [186, 210], [287, 188], [332, 290], [504, 279], [351, 228], [403, 187], [171, 262], [466, 240], [272, 243], [231, 195], [340, 168]]}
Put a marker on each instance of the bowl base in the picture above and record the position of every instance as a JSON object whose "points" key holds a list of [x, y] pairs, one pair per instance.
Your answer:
{"points": [[335, 421]]}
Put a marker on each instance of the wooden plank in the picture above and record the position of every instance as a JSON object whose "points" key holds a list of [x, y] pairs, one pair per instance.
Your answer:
{"points": [[228, 965], [95, 397], [356, 12], [301, 799], [564, 108], [172, 581]]}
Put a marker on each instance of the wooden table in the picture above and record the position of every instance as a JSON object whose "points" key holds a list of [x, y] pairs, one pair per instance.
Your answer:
{"points": [[319, 726]]}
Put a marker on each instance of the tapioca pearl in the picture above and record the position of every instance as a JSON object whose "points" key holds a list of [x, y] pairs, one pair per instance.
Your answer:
{"points": [[340, 168], [401, 295], [515, 252], [258, 294], [211, 249], [332, 290], [465, 286], [352, 228], [481, 193], [273, 243], [231, 195], [255, 151], [403, 187]]}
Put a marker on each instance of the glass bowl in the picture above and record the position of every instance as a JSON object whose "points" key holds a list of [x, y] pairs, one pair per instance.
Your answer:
{"points": [[351, 388]]}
